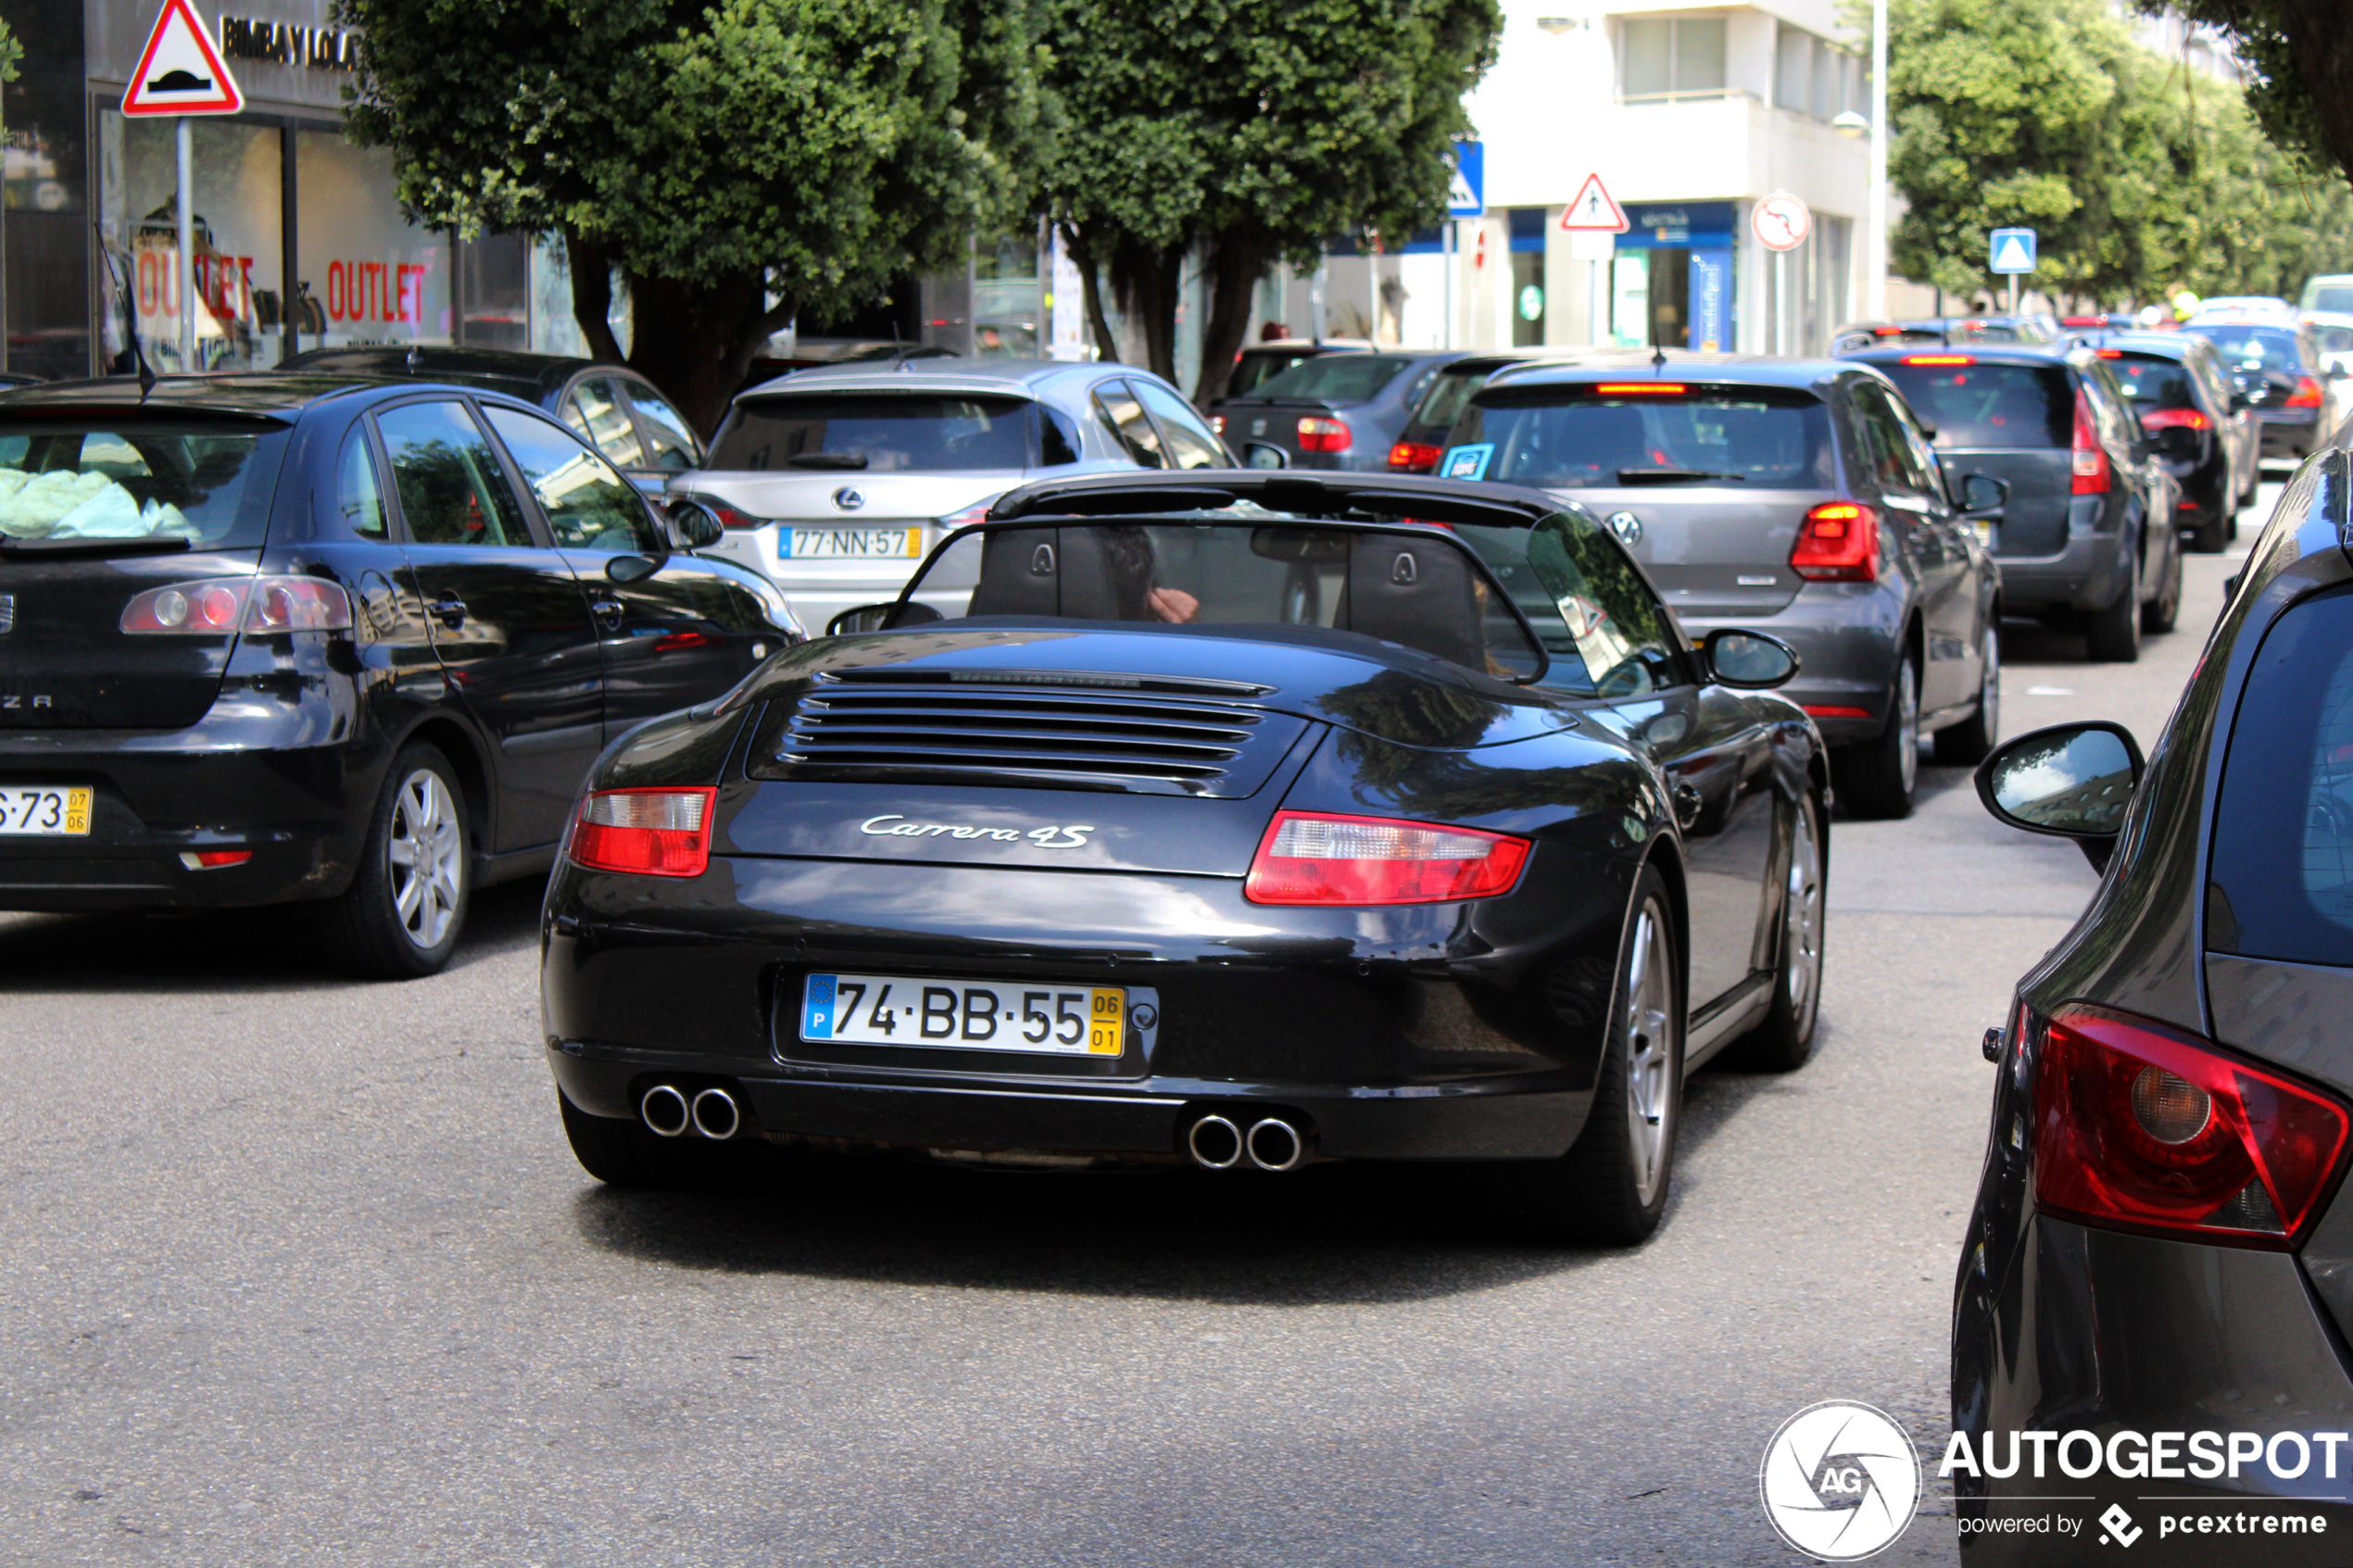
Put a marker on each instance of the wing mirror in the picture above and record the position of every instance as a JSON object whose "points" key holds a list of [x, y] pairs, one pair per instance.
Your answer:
{"points": [[1984, 496], [890, 617], [2072, 780], [696, 527], [631, 568], [1748, 660], [1258, 455]]}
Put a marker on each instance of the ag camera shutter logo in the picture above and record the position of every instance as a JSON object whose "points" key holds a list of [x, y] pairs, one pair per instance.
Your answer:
{"points": [[1840, 1481]]}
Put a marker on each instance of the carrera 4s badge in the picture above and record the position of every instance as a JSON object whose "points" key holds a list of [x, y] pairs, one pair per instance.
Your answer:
{"points": [[896, 827]]}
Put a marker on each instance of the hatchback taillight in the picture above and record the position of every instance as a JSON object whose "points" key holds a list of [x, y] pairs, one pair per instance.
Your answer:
{"points": [[2175, 418], [240, 604], [2305, 396], [2090, 459], [1413, 456], [1319, 434], [1837, 543], [1311, 858], [2140, 1127], [645, 832]]}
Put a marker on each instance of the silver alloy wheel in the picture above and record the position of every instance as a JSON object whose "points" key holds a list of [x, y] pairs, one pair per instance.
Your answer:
{"points": [[427, 855], [1907, 724], [1989, 698], [1650, 1055], [1802, 915]]}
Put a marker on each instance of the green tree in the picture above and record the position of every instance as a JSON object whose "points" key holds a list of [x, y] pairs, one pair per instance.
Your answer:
{"points": [[740, 161], [2301, 52], [1253, 131]]}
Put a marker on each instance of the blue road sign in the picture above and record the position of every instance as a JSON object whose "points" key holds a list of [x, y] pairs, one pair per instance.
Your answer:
{"points": [[1467, 195], [2013, 250]]}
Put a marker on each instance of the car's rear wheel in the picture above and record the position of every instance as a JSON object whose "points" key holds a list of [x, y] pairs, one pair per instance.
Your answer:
{"points": [[1784, 1042], [2113, 635], [2209, 537], [1965, 745], [2158, 615], [406, 908], [1611, 1187], [1876, 777]]}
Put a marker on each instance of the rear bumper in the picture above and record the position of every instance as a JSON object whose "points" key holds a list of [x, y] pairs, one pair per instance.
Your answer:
{"points": [[2086, 573], [818, 591], [1847, 636], [2289, 432]]}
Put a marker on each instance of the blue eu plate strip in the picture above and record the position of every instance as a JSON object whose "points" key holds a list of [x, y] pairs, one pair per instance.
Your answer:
{"points": [[817, 1009]]}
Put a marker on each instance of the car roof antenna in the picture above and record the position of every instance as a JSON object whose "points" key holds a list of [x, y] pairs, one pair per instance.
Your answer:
{"points": [[130, 318], [1658, 358]]}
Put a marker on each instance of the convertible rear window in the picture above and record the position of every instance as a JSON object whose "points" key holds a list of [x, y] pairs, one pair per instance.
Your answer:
{"points": [[2282, 883], [1577, 436], [1977, 405], [893, 433], [204, 481]]}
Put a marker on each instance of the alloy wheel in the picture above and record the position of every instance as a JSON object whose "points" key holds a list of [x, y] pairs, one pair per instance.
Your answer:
{"points": [[427, 855], [1907, 725], [1989, 700], [1650, 1055], [1802, 916]]}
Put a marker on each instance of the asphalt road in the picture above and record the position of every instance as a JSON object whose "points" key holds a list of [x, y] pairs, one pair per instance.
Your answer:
{"points": [[295, 1270]]}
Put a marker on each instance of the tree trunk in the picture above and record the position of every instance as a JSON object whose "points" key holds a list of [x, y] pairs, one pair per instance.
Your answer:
{"points": [[591, 269], [1237, 262], [1150, 280], [1082, 252], [696, 340]]}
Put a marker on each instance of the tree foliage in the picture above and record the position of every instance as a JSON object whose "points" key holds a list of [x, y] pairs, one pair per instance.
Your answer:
{"points": [[1252, 130], [2301, 53], [721, 153], [2140, 177]]}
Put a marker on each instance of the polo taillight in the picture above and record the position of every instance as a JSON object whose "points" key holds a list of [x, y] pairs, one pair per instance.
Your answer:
{"points": [[240, 604], [644, 831], [1837, 543], [1413, 456], [2092, 475], [2305, 396], [2142, 1127], [1312, 858], [1319, 434]]}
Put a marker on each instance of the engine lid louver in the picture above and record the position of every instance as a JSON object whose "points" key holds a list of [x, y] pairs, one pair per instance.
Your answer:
{"points": [[1042, 729]]}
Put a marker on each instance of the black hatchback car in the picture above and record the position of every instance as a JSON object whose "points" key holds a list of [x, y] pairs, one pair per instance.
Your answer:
{"points": [[268, 638], [2198, 423], [2156, 1288], [2280, 370], [2088, 535]]}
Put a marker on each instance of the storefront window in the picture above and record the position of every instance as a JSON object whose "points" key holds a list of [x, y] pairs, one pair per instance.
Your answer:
{"points": [[237, 235], [367, 275]]}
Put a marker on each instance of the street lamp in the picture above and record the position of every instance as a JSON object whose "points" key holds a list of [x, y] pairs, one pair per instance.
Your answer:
{"points": [[1851, 125], [1875, 236]]}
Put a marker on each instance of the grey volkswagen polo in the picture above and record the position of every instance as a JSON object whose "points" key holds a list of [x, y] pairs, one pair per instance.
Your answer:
{"points": [[1798, 497]]}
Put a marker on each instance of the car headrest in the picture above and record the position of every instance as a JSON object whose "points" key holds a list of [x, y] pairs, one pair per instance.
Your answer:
{"points": [[1098, 574], [1420, 592], [1020, 574]]}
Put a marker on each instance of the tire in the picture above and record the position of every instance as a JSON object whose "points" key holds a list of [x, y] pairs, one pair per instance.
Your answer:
{"points": [[2209, 537], [406, 908], [1611, 1187], [2158, 615], [1877, 778], [1966, 744], [2113, 635], [628, 1154], [1784, 1042]]}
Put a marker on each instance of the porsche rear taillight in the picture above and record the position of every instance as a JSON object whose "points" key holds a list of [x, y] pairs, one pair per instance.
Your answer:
{"points": [[2089, 457], [1837, 543], [2143, 1127], [1413, 456], [240, 604], [644, 831], [1319, 434], [1312, 858], [2305, 396]]}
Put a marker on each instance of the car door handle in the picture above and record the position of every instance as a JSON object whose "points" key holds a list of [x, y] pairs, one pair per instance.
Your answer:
{"points": [[449, 612], [608, 613]]}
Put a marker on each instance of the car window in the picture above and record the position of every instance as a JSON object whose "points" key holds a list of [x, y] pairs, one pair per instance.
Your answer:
{"points": [[1123, 417], [588, 505], [874, 432], [1337, 378], [1057, 437], [1894, 463], [2109, 406], [1974, 404], [1919, 452], [1598, 434], [1608, 634], [2331, 339], [208, 481], [2150, 382], [358, 501], [1447, 397], [596, 410], [1252, 370], [2256, 348], [450, 488], [1188, 440], [670, 441]]}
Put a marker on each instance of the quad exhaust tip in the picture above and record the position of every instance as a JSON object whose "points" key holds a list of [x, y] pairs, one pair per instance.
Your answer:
{"points": [[1272, 1143]]}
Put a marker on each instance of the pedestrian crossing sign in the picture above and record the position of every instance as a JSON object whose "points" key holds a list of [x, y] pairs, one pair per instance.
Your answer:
{"points": [[2013, 250]]}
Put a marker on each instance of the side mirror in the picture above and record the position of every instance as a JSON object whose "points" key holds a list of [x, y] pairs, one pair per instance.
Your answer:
{"points": [[2335, 372], [1984, 495], [631, 568], [2072, 780], [1258, 455], [1748, 660], [890, 617], [697, 528]]}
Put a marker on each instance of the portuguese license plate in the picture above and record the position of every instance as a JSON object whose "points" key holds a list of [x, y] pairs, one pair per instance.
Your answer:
{"points": [[45, 810], [972, 1015], [854, 543]]}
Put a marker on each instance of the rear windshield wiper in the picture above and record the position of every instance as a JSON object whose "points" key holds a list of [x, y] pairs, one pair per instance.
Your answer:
{"points": [[1677, 476], [53, 549], [826, 460]]}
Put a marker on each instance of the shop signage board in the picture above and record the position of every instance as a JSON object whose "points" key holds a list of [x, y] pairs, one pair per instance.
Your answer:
{"points": [[180, 71]]}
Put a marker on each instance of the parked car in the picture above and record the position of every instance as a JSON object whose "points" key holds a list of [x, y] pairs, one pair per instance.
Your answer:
{"points": [[2243, 308], [2200, 425], [833, 482], [2328, 292], [1798, 497], [614, 410], [1944, 332], [1257, 362], [1238, 821], [310, 639], [2162, 1236], [1334, 411], [2332, 332], [2088, 532], [807, 352], [2280, 370], [1419, 444]]}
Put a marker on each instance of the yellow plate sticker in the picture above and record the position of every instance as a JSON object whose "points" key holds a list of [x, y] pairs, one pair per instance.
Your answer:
{"points": [[1107, 1024], [78, 811]]}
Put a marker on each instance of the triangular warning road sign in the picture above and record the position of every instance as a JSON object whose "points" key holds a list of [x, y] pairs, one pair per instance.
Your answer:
{"points": [[180, 71], [2012, 256], [1594, 211]]}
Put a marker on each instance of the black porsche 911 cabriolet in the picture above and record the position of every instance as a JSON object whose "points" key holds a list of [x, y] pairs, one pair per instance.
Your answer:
{"points": [[1236, 820]]}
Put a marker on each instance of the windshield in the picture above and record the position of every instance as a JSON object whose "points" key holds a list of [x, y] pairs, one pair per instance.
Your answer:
{"points": [[1414, 588], [874, 432], [2256, 348], [1448, 396], [1990, 405], [1255, 369], [207, 482], [1336, 378], [2332, 340], [2152, 383], [1589, 435]]}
